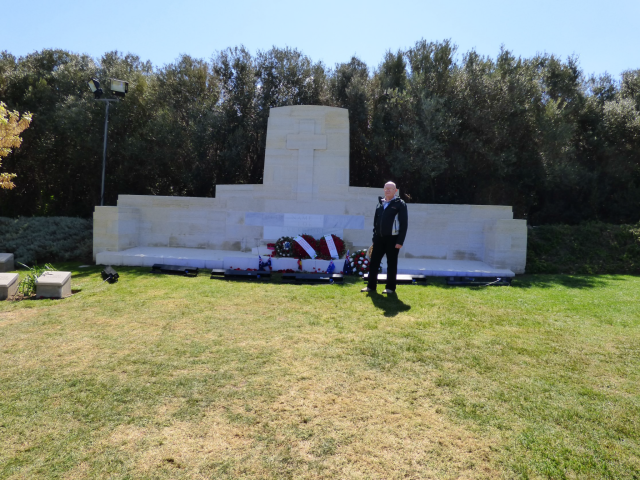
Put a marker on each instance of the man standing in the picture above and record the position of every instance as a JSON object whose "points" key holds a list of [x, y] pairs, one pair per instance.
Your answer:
{"points": [[389, 230]]}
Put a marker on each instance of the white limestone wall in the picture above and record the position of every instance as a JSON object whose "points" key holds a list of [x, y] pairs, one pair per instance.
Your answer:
{"points": [[457, 232], [306, 190], [244, 217], [114, 229], [451, 232], [506, 244], [190, 222], [307, 152]]}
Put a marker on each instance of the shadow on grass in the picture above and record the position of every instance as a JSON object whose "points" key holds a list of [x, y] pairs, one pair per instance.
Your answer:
{"points": [[390, 304], [541, 281], [567, 281]]}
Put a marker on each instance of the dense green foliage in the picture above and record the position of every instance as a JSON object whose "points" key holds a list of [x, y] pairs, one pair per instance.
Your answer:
{"points": [[46, 239], [534, 133], [591, 248]]}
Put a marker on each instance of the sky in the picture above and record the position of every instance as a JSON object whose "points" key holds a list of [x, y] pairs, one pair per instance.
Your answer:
{"points": [[604, 36]]}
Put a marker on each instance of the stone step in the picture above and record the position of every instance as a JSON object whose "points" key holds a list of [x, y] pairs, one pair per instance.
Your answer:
{"points": [[54, 284], [225, 259], [8, 285]]}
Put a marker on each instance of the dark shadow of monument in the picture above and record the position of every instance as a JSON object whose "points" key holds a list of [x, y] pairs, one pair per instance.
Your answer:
{"points": [[567, 281], [542, 281]]}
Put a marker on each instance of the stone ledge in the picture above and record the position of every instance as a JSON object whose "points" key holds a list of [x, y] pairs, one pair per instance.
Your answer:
{"points": [[8, 285], [54, 285], [200, 258]]}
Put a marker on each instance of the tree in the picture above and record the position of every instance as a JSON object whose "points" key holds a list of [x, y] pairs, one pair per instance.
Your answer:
{"points": [[349, 88], [11, 126]]}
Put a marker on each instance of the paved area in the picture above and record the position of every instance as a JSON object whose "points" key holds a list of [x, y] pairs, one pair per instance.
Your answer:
{"points": [[195, 257]]}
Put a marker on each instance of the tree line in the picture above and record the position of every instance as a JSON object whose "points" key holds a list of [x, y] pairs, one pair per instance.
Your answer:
{"points": [[535, 133]]}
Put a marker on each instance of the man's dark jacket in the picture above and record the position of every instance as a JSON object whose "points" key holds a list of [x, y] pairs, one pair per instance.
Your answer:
{"points": [[392, 220]]}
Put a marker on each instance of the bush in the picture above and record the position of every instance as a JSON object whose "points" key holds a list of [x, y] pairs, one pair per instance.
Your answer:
{"points": [[34, 240], [592, 248]]}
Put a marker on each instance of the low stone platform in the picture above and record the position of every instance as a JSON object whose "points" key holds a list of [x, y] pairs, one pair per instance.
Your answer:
{"points": [[8, 285], [6, 262], [449, 268], [54, 284], [225, 259]]}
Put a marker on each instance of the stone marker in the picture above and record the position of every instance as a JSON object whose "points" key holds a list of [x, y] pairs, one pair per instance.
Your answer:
{"points": [[305, 189], [54, 285], [6, 262], [8, 285]]}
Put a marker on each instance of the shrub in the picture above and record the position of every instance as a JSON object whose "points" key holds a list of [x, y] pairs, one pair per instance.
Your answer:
{"points": [[591, 248], [34, 240]]}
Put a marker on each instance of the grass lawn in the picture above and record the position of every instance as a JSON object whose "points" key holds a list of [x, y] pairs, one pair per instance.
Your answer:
{"points": [[169, 377]]}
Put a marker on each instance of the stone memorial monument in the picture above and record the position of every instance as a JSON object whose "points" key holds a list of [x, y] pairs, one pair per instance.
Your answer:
{"points": [[305, 189]]}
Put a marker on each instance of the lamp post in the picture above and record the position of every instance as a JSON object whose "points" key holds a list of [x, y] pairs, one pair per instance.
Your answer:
{"points": [[118, 88]]}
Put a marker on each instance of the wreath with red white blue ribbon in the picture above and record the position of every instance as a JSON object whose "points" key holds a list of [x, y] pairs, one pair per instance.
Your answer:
{"points": [[300, 252], [284, 247], [323, 248]]}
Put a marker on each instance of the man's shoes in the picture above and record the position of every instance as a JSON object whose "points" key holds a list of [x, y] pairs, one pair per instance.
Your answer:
{"points": [[388, 291], [367, 289]]}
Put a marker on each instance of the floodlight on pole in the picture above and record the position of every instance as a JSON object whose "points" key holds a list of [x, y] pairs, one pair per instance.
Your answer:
{"points": [[94, 85], [119, 88]]}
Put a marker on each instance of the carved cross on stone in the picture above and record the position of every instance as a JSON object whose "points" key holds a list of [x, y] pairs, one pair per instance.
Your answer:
{"points": [[306, 141]]}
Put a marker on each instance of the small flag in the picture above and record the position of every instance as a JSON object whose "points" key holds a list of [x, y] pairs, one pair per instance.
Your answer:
{"points": [[347, 265], [300, 264], [262, 265], [331, 268]]}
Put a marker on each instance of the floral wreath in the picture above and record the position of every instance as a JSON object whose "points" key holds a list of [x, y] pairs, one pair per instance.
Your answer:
{"points": [[323, 248], [299, 252], [360, 262], [284, 247]]}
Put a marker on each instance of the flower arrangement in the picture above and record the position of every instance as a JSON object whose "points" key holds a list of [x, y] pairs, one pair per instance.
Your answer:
{"points": [[323, 248], [299, 252], [360, 262], [284, 247]]}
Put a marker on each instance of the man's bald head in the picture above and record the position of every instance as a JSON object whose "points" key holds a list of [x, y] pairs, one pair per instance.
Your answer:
{"points": [[390, 190]]}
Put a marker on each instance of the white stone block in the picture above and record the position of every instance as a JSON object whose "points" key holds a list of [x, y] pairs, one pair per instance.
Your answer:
{"points": [[135, 200], [243, 263], [9, 283], [6, 262], [302, 221], [54, 285], [150, 261], [217, 264], [309, 265], [284, 263]]}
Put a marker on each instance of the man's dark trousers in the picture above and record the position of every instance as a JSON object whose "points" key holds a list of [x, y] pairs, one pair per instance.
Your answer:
{"points": [[384, 246]]}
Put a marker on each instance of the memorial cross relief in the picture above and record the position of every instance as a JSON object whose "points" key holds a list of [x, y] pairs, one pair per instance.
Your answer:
{"points": [[306, 141]]}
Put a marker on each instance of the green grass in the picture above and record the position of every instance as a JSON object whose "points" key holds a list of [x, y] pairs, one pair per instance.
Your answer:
{"points": [[172, 377]]}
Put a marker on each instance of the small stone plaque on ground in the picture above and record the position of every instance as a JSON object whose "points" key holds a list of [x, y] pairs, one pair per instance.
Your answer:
{"points": [[8, 285], [54, 285]]}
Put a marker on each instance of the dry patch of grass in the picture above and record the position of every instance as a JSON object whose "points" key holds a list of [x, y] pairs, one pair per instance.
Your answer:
{"points": [[169, 377]]}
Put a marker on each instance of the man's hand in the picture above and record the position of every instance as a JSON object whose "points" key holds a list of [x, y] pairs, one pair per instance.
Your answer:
{"points": [[398, 246]]}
